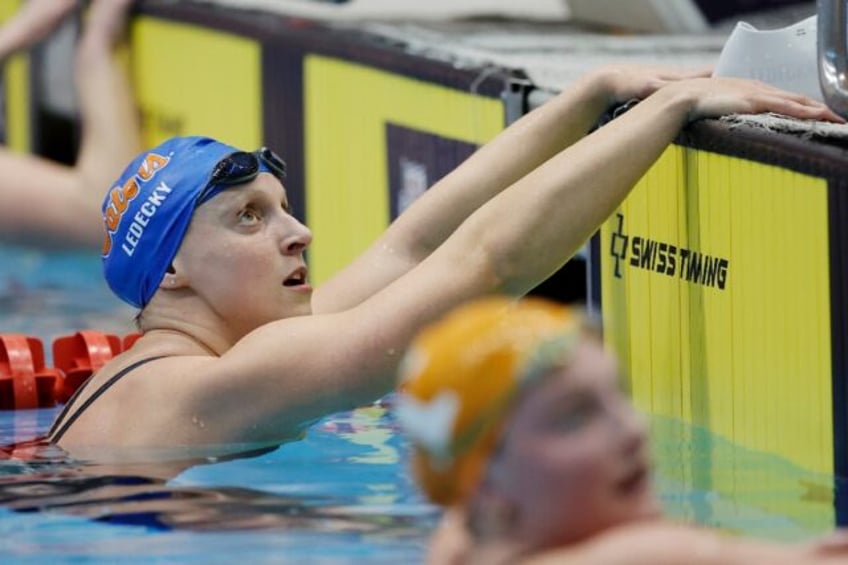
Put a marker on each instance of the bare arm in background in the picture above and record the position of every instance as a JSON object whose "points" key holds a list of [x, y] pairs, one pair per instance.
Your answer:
{"points": [[34, 21], [46, 203]]}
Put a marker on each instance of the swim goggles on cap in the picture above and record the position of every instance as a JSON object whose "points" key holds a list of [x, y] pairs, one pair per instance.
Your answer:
{"points": [[241, 167]]}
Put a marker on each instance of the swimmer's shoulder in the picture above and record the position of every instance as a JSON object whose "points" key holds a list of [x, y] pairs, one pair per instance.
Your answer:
{"points": [[660, 542], [131, 398], [649, 543]]}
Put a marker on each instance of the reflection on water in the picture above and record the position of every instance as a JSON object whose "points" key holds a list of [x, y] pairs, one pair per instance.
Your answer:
{"points": [[152, 503], [708, 480], [49, 295], [345, 497]]}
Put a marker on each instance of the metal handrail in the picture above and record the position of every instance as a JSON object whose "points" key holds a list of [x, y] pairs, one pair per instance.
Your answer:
{"points": [[833, 54]]}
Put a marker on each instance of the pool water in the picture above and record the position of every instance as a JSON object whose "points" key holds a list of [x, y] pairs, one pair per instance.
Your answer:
{"points": [[341, 494], [707, 480], [336, 496], [48, 295]]}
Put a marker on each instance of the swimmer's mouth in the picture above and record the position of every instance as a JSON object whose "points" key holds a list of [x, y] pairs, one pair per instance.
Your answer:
{"points": [[297, 278], [634, 481]]}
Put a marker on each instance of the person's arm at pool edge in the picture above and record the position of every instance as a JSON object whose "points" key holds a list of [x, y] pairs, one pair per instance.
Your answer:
{"points": [[515, 152], [298, 369]]}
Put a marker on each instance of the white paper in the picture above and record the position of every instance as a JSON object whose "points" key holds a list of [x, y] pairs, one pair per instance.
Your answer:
{"points": [[786, 58]]}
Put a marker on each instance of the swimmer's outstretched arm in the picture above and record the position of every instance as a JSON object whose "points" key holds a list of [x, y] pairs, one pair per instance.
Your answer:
{"points": [[32, 23], [294, 370], [42, 202], [516, 151]]}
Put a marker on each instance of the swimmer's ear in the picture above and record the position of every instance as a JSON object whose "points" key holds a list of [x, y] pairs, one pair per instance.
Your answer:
{"points": [[491, 511], [491, 514], [172, 280]]}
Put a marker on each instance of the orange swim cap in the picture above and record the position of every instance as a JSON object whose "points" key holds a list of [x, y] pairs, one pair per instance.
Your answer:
{"points": [[459, 377]]}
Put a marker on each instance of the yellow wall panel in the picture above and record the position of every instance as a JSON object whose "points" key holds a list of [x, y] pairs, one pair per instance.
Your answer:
{"points": [[16, 82], [191, 80], [751, 331], [347, 192]]}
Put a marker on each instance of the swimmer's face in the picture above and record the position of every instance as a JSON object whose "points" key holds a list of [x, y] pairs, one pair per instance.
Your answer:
{"points": [[243, 255], [574, 460]]}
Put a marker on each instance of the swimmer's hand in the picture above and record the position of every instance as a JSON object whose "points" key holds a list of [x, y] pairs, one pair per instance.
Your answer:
{"points": [[620, 83], [714, 97]]}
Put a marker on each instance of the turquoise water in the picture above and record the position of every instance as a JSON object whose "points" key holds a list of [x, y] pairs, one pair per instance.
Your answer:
{"points": [[707, 480], [48, 295], [339, 495]]}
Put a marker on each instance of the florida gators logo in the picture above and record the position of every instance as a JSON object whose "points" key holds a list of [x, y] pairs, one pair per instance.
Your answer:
{"points": [[120, 197]]}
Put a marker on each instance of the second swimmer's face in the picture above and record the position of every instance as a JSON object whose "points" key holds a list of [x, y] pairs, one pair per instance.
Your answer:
{"points": [[574, 460]]}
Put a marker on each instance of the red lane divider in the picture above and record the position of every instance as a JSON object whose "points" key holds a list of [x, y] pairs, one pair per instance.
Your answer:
{"points": [[25, 381], [80, 355]]}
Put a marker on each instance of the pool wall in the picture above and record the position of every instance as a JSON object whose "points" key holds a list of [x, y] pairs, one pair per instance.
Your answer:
{"points": [[722, 283]]}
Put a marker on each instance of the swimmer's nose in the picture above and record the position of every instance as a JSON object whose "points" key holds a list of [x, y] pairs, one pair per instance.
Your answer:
{"points": [[632, 426], [298, 238], [635, 429]]}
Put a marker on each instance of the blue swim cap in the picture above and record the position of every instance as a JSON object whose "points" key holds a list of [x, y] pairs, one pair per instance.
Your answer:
{"points": [[147, 212]]}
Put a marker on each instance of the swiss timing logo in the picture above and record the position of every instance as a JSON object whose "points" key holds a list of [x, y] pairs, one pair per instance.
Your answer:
{"points": [[618, 245], [666, 259]]}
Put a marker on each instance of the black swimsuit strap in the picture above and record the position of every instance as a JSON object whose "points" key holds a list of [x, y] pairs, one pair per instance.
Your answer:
{"points": [[55, 434]]}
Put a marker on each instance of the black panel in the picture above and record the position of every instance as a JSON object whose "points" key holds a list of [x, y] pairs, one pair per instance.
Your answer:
{"points": [[282, 116], [567, 285], [417, 160], [816, 157], [594, 300], [838, 212], [715, 10]]}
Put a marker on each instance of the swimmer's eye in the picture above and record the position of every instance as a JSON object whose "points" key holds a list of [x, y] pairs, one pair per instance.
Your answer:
{"points": [[248, 216], [576, 415]]}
